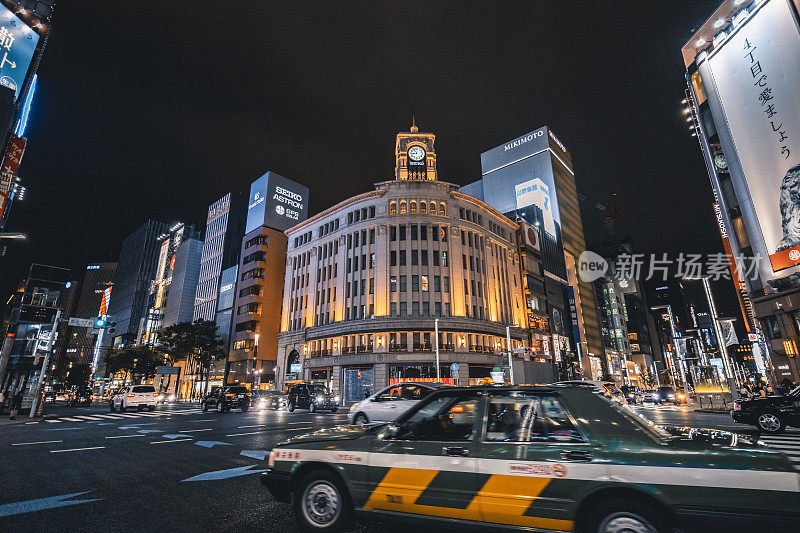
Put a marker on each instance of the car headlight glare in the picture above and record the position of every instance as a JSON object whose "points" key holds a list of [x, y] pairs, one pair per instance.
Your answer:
{"points": [[320, 398]]}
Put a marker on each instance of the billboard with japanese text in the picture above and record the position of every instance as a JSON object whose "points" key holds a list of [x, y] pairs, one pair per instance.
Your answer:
{"points": [[17, 46], [756, 74], [10, 167]]}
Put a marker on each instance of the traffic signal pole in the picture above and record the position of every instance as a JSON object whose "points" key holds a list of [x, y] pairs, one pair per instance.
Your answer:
{"points": [[45, 363]]}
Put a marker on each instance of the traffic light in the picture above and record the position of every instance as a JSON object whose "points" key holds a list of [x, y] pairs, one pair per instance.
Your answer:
{"points": [[100, 323], [111, 327]]}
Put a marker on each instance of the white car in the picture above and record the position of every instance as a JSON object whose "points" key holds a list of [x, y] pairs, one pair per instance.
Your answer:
{"points": [[138, 396], [389, 403]]}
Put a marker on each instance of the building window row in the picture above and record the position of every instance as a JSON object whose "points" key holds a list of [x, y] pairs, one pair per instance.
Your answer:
{"points": [[402, 341], [257, 240], [361, 238], [412, 206], [254, 273], [418, 232], [254, 290], [300, 240], [328, 227], [364, 213], [472, 216], [255, 256]]}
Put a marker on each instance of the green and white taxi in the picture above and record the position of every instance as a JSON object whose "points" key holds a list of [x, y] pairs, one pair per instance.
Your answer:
{"points": [[555, 458]]}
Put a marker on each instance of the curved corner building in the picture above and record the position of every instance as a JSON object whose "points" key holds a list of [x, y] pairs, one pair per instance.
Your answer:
{"points": [[368, 280]]}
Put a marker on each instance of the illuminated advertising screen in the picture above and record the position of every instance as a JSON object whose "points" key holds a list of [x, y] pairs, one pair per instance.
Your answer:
{"points": [[519, 174], [276, 202], [17, 45], [756, 74]]}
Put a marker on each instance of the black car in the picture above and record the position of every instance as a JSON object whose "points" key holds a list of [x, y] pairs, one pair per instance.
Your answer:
{"points": [[82, 397], [770, 414], [631, 393], [312, 397], [668, 395], [223, 399], [267, 399]]}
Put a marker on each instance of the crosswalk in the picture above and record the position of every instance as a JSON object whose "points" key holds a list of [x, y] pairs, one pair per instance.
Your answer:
{"points": [[122, 416], [787, 442]]}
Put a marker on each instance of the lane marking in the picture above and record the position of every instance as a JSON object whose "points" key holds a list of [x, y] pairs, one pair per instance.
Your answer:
{"points": [[52, 421], [255, 426], [299, 429], [240, 434], [212, 443], [11, 509], [38, 442], [166, 441], [124, 436], [224, 474], [85, 417], [193, 430], [78, 449], [68, 419], [255, 454]]}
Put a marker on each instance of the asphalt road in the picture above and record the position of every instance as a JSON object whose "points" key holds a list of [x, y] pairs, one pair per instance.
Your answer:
{"points": [[174, 469]]}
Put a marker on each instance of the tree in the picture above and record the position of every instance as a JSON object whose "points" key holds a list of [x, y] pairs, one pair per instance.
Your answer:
{"points": [[208, 347], [138, 361], [178, 343]]}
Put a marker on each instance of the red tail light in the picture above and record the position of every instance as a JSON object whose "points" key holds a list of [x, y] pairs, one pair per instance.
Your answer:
{"points": [[131, 395]]}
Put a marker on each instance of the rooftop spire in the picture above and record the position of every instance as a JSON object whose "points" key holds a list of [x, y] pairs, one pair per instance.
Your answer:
{"points": [[414, 128]]}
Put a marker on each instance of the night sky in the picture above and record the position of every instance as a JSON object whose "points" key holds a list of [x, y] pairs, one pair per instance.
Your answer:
{"points": [[147, 109]]}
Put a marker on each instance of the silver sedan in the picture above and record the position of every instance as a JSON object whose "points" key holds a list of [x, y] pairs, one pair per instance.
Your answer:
{"points": [[389, 403]]}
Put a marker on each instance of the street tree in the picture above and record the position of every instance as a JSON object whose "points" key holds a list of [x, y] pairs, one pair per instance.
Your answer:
{"points": [[178, 343], [138, 361], [208, 347]]}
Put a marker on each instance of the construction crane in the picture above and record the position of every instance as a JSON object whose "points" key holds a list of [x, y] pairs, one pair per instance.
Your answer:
{"points": [[609, 209]]}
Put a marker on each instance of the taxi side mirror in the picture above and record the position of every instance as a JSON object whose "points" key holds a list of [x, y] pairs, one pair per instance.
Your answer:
{"points": [[392, 431]]}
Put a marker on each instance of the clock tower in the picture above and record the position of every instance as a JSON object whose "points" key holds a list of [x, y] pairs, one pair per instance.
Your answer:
{"points": [[415, 158]]}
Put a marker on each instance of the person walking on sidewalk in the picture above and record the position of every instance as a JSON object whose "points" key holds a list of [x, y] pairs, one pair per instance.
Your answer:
{"points": [[2, 400], [16, 404]]}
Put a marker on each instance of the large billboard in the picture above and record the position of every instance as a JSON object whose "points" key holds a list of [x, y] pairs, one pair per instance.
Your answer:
{"points": [[518, 174], [276, 202], [17, 45], [756, 74]]}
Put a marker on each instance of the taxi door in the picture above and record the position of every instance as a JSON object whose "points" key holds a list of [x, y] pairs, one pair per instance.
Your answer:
{"points": [[529, 452], [428, 466]]}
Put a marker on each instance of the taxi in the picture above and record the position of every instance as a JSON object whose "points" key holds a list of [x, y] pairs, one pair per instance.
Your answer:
{"points": [[555, 458]]}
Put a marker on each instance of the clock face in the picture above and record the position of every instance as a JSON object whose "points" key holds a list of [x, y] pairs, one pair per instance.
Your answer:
{"points": [[719, 161], [416, 153]]}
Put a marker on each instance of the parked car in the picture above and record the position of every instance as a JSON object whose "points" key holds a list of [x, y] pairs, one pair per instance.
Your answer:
{"points": [[223, 399], [632, 394], [390, 402], [770, 414], [313, 397], [138, 396]]}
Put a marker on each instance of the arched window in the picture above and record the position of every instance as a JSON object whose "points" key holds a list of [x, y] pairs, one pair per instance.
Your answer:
{"points": [[442, 210], [392, 208], [423, 208], [403, 207], [412, 208], [433, 208]]}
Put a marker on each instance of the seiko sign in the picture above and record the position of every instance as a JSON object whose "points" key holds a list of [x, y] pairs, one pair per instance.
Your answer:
{"points": [[276, 202], [523, 140]]}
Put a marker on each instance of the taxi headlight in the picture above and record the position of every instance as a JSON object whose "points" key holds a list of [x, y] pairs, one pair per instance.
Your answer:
{"points": [[320, 398], [336, 398], [271, 460]]}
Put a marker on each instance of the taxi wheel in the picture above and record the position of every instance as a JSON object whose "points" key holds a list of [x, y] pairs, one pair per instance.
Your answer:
{"points": [[769, 422], [361, 419], [245, 408], [291, 407], [113, 409], [139, 408], [621, 514], [312, 408], [204, 407], [151, 407], [321, 502]]}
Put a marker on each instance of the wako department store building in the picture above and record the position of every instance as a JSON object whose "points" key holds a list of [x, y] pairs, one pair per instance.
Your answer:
{"points": [[367, 280]]}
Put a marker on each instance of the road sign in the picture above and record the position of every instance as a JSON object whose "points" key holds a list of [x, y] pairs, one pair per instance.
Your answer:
{"points": [[168, 370], [81, 322], [519, 350], [454, 367]]}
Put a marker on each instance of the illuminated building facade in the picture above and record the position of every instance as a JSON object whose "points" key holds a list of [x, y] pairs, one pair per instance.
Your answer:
{"points": [[275, 204], [368, 279], [531, 178]]}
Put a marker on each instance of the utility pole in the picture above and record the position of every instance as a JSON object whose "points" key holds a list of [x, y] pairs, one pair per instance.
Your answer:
{"points": [[45, 363], [436, 333], [510, 363]]}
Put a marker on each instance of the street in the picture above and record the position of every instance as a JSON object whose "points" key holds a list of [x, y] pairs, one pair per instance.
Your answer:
{"points": [[181, 469]]}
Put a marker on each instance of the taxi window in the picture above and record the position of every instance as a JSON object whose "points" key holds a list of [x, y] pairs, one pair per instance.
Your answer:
{"points": [[414, 392], [449, 418], [389, 394], [525, 417]]}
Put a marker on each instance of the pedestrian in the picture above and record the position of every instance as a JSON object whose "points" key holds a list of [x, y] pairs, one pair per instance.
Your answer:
{"points": [[2, 399], [16, 404]]}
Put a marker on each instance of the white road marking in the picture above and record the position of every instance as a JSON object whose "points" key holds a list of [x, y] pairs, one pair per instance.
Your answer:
{"points": [[240, 434], [299, 429], [68, 419], [255, 426], [193, 430], [86, 417], [124, 436], [39, 442], [78, 449], [52, 421], [166, 441]]}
